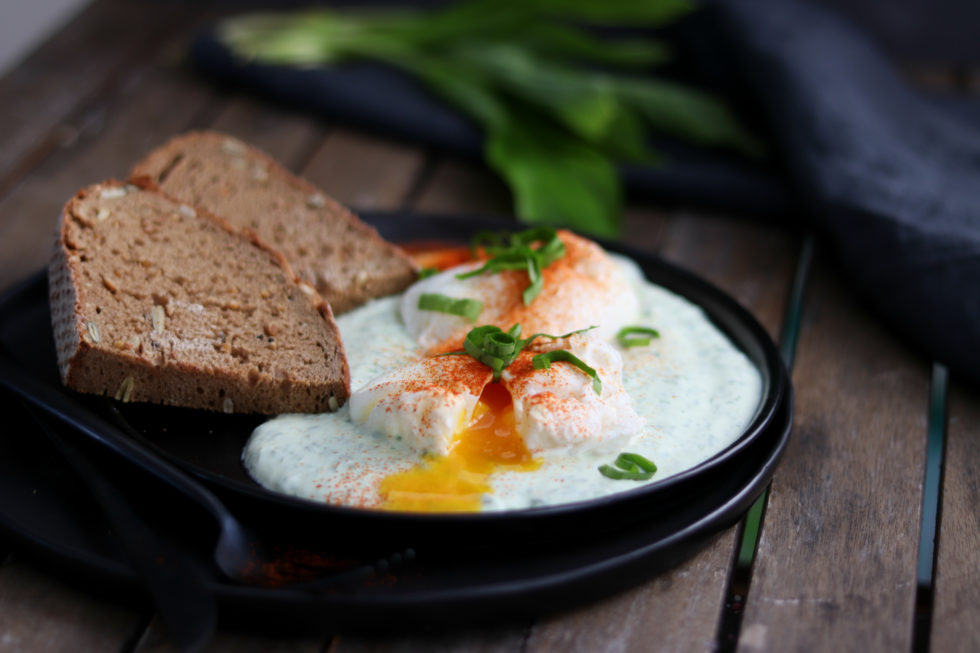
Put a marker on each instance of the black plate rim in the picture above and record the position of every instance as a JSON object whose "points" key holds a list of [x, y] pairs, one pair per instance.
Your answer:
{"points": [[732, 506], [775, 378], [602, 575]]}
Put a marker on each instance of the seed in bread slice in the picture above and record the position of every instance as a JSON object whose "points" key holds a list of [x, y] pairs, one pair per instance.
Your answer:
{"points": [[152, 300], [343, 258]]}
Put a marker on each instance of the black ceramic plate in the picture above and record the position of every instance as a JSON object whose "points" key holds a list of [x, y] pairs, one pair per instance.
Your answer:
{"points": [[497, 564], [210, 445]]}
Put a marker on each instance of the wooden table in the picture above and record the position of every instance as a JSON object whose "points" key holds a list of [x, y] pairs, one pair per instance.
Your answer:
{"points": [[839, 561]]}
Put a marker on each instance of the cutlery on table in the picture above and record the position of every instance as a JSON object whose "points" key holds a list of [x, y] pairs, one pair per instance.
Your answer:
{"points": [[174, 580], [240, 554]]}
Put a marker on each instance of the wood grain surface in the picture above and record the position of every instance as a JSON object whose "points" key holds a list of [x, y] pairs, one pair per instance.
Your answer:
{"points": [[835, 567], [956, 602], [837, 555], [40, 613], [126, 127], [45, 98]]}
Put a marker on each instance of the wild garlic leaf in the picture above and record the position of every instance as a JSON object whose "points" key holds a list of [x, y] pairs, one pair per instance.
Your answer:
{"points": [[555, 179], [461, 87], [636, 13], [586, 105], [554, 128], [460, 22], [687, 113], [627, 138], [487, 15], [563, 43]]}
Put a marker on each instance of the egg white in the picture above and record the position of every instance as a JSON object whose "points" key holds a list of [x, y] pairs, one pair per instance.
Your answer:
{"points": [[592, 291]]}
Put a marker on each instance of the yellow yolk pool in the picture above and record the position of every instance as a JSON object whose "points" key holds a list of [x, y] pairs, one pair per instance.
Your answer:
{"points": [[456, 482]]}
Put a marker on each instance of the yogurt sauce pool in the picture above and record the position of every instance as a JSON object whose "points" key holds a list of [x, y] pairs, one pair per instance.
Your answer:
{"points": [[695, 390]]}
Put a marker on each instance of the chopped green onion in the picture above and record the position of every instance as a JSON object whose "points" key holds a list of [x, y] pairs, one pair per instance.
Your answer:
{"points": [[497, 348], [635, 459], [425, 273], [544, 361], [515, 252], [629, 466], [468, 308], [636, 336], [613, 473], [537, 282]]}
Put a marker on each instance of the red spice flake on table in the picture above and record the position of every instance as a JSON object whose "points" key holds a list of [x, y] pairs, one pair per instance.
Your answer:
{"points": [[295, 565]]}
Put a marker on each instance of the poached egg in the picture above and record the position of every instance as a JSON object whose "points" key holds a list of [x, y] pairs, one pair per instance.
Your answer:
{"points": [[447, 407], [433, 432]]}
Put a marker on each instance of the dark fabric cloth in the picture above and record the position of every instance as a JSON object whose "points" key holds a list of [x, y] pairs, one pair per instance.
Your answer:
{"points": [[892, 179]]}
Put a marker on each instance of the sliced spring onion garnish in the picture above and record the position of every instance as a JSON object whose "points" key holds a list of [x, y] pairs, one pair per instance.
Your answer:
{"points": [[544, 361], [629, 466], [636, 336], [617, 474], [468, 308], [497, 348], [425, 273], [515, 252], [625, 459]]}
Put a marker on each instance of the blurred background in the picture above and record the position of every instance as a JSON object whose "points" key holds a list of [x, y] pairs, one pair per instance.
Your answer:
{"points": [[24, 24], [914, 32]]}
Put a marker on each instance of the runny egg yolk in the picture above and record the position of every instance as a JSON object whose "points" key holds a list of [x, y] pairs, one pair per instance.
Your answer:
{"points": [[455, 483]]}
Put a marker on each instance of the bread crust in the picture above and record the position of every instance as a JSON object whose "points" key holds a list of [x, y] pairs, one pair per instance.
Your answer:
{"points": [[91, 360]]}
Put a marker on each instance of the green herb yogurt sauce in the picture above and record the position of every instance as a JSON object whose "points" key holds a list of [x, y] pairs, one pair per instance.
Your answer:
{"points": [[696, 391]]}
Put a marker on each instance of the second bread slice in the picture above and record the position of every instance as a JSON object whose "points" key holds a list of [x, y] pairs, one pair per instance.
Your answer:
{"points": [[331, 249]]}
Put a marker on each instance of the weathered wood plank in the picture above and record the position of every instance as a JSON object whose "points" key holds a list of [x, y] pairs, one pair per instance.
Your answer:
{"points": [[365, 173], [837, 555], [463, 186], [77, 66], [676, 611], [644, 228], [156, 640], [956, 591], [39, 613], [752, 262], [288, 137], [139, 118], [495, 639]]}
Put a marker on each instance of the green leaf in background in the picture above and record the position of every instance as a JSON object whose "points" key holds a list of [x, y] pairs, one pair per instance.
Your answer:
{"points": [[584, 105], [466, 91], [566, 43], [555, 125], [555, 180], [687, 113], [633, 13]]}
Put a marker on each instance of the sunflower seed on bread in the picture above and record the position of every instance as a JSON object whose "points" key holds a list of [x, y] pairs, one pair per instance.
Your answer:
{"points": [[187, 319]]}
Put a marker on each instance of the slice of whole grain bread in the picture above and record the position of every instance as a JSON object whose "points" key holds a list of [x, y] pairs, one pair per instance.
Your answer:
{"points": [[153, 300], [343, 258]]}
